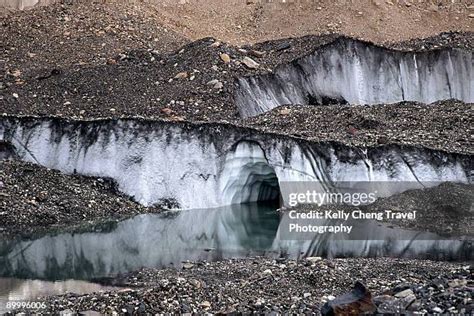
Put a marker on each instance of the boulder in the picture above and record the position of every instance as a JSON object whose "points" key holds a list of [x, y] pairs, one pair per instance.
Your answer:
{"points": [[356, 302]]}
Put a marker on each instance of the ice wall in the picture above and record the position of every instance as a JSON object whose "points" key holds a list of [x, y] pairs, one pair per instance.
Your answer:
{"points": [[210, 165], [355, 72]]}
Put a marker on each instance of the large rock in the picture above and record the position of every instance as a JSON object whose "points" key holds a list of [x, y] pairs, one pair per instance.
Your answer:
{"points": [[356, 302]]}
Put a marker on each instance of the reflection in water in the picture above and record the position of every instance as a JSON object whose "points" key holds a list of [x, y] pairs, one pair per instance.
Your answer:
{"points": [[229, 232], [144, 241], [370, 238]]}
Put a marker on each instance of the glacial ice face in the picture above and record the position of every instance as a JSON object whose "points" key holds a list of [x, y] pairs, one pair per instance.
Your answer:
{"points": [[355, 72], [210, 165]]}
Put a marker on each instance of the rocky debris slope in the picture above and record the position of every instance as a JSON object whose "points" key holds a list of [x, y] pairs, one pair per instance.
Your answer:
{"points": [[85, 32], [262, 286], [35, 198], [445, 125], [239, 21], [446, 209], [196, 82]]}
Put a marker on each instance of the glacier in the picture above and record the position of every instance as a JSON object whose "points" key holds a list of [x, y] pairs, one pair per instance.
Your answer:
{"points": [[356, 72], [211, 165]]}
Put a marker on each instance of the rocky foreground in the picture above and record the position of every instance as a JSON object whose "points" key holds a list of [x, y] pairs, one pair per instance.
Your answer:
{"points": [[258, 285]]}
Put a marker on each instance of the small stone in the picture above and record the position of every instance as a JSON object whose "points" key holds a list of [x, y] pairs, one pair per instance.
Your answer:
{"points": [[187, 266], [15, 95], [181, 75], [306, 295], [457, 283], [250, 63], [437, 310], [216, 84], [311, 259], [212, 82], [225, 58], [205, 304], [285, 111], [257, 53], [404, 293], [197, 284], [471, 15], [16, 73], [167, 111], [215, 44], [267, 272]]}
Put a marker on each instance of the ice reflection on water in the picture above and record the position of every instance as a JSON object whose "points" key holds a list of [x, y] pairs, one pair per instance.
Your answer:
{"points": [[230, 232]]}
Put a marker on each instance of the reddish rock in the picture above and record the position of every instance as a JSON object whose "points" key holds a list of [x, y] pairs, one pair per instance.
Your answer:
{"points": [[356, 302]]}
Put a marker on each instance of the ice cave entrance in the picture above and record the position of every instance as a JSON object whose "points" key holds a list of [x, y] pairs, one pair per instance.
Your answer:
{"points": [[249, 178], [260, 184]]}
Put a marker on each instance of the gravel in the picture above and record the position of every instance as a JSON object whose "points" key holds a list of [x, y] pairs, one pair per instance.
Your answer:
{"points": [[150, 83], [34, 199], [447, 209], [49, 37], [257, 285], [446, 125]]}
